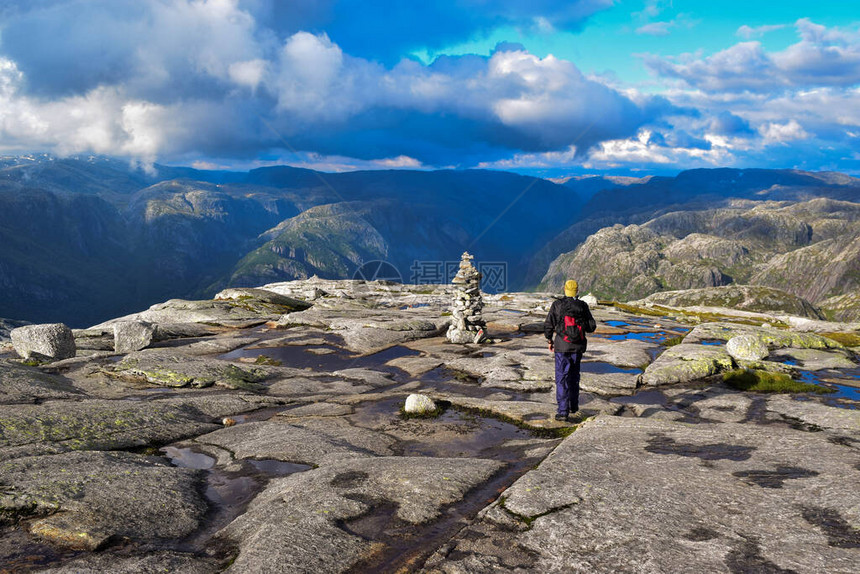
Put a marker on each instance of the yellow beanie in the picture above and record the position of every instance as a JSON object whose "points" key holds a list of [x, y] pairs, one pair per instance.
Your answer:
{"points": [[571, 288]]}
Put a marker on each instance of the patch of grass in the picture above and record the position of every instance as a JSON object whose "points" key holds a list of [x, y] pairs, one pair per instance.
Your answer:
{"points": [[673, 341], [766, 382], [32, 362], [557, 432], [847, 339], [506, 298], [694, 316], [267, 360], [638, 310]]}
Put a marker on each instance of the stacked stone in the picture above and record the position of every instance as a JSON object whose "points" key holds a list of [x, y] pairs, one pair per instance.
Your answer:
{"points": [[468, 324]]}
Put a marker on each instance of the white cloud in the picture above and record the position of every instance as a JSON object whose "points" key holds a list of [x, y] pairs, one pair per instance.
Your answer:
{"points": [[782, 133], [401, 161], [562, 158], [750, 32], [823, 57], [249, 73], [656, 28]]}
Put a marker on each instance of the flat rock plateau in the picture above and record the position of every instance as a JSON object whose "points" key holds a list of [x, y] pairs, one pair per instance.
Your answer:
{"points": [[263, 431]]}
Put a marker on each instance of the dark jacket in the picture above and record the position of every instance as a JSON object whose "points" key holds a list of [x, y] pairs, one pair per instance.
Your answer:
{"points": [[575, 308]]}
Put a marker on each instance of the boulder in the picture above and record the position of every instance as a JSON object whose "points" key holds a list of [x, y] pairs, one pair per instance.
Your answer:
{"points": [[747, 348], [686, 362], [53, 340], [589, 300], [130, 336], [419, 404]]}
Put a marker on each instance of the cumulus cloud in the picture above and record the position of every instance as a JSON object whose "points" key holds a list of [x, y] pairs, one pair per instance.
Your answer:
{"points": [[205, 78], [782, 133], [822, 57]]}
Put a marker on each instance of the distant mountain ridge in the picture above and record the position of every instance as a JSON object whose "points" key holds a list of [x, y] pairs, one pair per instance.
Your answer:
{"points": [[82, 239], [810, 249], [697, 189]]}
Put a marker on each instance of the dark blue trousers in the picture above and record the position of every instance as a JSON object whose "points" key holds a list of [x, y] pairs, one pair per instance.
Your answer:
{"points": [[567, 382]]}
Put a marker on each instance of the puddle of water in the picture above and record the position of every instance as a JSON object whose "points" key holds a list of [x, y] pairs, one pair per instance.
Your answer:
{"points": [[22, 552], [615, 323], [413, 306], [187, 458], [514, 311], [407, 545], [712, 342], [657, 337], [846, 390], [322, 357], [228, 493], [603, 368]]}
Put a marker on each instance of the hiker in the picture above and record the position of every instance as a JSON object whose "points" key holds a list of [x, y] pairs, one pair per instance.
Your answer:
{"points": [[567, 322]]}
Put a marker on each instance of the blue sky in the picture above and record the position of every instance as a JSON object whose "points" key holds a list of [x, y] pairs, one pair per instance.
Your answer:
{"points": [[543, 87]]}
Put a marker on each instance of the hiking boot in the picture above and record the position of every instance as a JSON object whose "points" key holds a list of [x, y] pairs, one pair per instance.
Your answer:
{"points": [[561, 417]]}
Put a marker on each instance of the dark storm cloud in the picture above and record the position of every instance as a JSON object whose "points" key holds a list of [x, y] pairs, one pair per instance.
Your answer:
{"points": [[171, 79]]}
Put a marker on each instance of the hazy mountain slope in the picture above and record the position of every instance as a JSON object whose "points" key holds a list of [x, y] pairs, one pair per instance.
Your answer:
{"points": [[88, 238], [810, 249], [61, 256], [327, 240], [333, 241], [701, 189]]}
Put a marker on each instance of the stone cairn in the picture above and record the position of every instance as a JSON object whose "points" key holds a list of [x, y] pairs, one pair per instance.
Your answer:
{"points": [[468, 325]]}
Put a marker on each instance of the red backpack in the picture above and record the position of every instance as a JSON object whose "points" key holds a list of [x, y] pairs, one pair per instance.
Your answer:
{"points": [[571, 328]]}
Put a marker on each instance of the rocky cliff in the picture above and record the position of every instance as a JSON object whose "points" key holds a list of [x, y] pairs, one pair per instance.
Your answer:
{"points": [[810, 249]]}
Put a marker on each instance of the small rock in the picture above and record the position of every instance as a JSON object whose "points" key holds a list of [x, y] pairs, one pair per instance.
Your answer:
{"points": [[589, 300], [228, 422], [419, 404], [53, 340], [314, 294], [747, 348], [130, 336]]}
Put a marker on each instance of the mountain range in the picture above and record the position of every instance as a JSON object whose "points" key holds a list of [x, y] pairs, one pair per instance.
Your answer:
{"points": [[83, 239]]}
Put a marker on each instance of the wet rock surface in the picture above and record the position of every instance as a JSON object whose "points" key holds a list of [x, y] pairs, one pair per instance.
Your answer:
{"points": [[257, 433], [739, 502]]}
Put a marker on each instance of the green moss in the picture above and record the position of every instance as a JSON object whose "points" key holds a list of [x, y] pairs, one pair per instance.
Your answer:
{"points": [[671, 342], [267, 360], [556, 432], [768, 382], [636, 310], [847, 339]]}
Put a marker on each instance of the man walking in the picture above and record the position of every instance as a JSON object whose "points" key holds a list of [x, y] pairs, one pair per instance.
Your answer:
{"points": [[567, 322]]}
